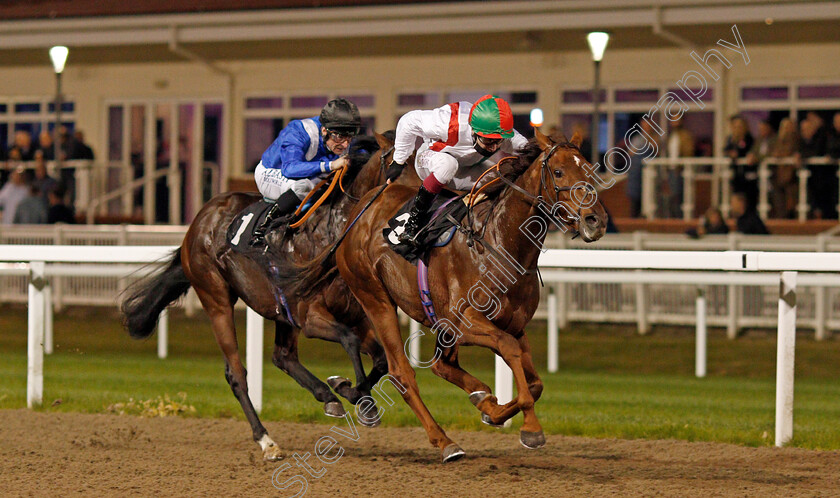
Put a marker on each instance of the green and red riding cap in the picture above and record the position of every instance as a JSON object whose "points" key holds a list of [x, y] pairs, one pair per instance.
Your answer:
{"points": [[491, 117]]}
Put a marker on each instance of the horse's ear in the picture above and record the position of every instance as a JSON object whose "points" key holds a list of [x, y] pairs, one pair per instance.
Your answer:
{"points": [[543, 141], [383, 142], [576, 140]]}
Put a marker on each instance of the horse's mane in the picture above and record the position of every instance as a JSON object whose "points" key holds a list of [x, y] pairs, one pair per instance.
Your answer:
{"points": [[531, 151]]}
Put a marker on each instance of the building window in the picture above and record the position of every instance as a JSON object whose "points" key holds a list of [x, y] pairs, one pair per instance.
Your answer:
{"points": [[33, 116], [764, 93]]}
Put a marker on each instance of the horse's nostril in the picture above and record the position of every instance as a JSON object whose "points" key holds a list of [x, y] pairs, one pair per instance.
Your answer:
{"points": [[593, 221]]}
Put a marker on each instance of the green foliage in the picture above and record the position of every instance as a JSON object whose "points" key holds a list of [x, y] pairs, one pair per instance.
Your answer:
{"points": [[612, 382]]}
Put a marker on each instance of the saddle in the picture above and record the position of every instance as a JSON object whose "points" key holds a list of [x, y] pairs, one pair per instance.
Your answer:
{"points": [[437, 233], [241, 229], [239, 235]]}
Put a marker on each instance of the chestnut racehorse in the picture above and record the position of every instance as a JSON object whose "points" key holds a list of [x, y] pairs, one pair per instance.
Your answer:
{"points": [[220, 276], [483, 284]]}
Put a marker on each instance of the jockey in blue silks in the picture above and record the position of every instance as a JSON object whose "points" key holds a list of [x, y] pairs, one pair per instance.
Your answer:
{"points": [[304, 152]]}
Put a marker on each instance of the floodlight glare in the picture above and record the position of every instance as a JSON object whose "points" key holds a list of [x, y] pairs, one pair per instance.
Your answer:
{"points": [[536, 117], [598, 44], [58, 54]]}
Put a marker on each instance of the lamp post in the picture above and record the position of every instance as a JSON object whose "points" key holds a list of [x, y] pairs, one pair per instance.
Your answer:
{"points": [[58, 55], [536, 117], [597, 45]]}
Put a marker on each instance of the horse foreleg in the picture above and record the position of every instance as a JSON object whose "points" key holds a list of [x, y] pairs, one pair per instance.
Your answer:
{"points": [[285, 357], [321, 324], [484, 333], [221, 319]]}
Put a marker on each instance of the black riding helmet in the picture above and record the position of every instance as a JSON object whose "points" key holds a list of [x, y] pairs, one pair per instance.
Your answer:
{"points": [[342, 116]]}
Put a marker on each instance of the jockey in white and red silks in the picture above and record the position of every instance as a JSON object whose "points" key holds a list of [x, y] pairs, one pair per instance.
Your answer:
{"points": [[455, 144]]}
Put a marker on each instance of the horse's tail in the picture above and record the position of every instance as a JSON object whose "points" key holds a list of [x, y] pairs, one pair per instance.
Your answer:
{"points": [[149, 296]]}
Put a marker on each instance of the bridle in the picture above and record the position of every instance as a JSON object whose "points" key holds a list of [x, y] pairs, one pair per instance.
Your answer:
{"points": [[545, 177]]}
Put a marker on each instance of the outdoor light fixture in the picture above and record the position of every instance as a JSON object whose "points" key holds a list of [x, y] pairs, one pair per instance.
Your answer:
{"points": [[598, 44], [536, 117], [597, 41], [58, 55]]}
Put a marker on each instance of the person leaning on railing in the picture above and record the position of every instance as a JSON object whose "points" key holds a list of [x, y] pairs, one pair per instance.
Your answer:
{"points": [[785, 194], [738, 144], [822, 184], [833, 142]]}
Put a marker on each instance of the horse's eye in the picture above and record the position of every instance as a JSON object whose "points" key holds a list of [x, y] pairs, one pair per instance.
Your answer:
{"points": [[558, 172]]}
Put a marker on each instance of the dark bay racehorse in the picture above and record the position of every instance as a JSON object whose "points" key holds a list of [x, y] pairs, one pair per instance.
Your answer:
{"points": [[220, 276], [484, 294]]}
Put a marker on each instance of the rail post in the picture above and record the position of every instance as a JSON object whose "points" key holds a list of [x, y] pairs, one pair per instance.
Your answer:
{"points": [[785, 348], [255, 328], [35, 333], [163, 334], [504, 383], [702, 334], [552, 329]]}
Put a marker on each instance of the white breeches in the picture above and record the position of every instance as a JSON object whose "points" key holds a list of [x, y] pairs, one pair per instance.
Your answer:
{"points": [[446, 169], [272, 184]]}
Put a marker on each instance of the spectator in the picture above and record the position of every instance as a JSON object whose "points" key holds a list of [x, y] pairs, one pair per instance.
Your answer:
{"points": [[43, 180], [678, 143], [46, 146], [12, 194], [784, 194], [634, 173], [763, 147], [78, 149], [833, 142], [58, 211], [710, 224], [746, 218], [822, 184], [738, 144], [23, 145], [32, 210]]}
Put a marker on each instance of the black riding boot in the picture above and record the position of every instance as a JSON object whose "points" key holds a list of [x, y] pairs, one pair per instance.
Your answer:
{"points": [[418, 216], [284, 205]]}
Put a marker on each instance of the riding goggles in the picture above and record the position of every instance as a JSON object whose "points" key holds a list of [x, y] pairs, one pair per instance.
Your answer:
{"points": [[340, 136], [488, 142]]}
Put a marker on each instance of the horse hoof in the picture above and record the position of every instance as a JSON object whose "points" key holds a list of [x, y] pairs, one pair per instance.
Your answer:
{"points": [[478, 396], [452, 452], [272, 453], [532, 440], [370, 423], [334, 409], [485, 419], [336, 381], [370, 418]]}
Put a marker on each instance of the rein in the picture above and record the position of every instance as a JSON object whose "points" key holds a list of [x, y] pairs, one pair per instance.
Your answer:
{"points": [[338, 242], [337, 180], [337, 176], [472, 234]]}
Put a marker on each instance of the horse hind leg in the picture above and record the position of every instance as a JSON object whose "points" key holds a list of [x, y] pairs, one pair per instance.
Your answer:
{"points": [[285, 357], [384, 319], [221, 319]]}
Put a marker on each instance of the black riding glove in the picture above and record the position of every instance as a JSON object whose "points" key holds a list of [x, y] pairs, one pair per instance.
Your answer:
{"points": [[393, 171]]}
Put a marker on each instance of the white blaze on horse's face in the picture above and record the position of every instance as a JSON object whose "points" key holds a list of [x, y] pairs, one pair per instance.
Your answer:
{"points": [[577, 161]]}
